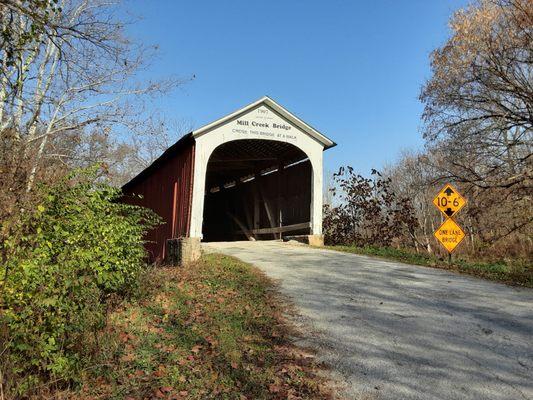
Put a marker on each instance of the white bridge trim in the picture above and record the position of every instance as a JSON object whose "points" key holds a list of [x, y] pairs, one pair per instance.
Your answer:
{"points": [[270, 122]]}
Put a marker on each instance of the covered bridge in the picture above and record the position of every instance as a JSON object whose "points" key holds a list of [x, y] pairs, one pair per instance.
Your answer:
{"points": [[254, 174]]}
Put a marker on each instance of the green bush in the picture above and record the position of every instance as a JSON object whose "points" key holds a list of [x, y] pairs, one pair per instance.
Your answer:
{"points": [[79, 248]]}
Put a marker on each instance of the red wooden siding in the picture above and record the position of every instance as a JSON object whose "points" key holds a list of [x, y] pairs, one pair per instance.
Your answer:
{"points": [[166, 188]]}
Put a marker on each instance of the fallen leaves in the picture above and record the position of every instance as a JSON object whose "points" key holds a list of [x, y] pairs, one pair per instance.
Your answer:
{"points": [[160, 371], [196, 349], [212, 331], [166, 389], [273, 388], [128, 357]]}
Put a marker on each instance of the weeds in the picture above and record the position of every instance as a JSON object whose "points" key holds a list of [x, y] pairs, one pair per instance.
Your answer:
{"points": [[210, 330], [518, 272]]}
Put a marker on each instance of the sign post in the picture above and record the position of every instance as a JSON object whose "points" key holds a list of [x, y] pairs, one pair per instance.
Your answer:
{"points": [[449, 201]]}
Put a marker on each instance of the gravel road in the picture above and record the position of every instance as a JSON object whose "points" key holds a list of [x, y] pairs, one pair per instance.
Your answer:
{"points": [[397, 331]]}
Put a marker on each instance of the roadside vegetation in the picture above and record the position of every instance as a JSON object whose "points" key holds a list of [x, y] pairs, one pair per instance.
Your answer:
{"points": [[512, 272], [213, 329], [83, 316], [64, 265], [72, 128], [477, 123]]}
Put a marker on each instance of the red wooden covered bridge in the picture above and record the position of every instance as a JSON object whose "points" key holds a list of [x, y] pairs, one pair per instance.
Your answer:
{"points": [[254, 174]]}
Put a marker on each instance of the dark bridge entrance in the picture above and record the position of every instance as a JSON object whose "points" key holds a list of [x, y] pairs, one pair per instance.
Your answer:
{"points": [[257, 189]]}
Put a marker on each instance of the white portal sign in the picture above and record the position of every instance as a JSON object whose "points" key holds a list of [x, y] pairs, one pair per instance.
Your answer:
{"points": [[263, 123]]}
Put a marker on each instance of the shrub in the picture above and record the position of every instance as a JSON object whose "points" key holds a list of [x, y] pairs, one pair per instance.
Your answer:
{"points": [[367, 212], [77, 249]]}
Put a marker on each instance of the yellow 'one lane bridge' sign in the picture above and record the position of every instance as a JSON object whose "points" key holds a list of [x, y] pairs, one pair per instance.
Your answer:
{"points": [[449, 234]]}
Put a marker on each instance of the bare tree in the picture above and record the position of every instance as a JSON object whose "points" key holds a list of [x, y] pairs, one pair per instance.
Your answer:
{"points": [[39, 16], [479, 101], [80, 77], [69, 97], [415, 178], [479, 120], [153, 137]]}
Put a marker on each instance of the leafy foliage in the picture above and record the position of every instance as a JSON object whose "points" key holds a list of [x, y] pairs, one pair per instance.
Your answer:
{"points": [[72, 254], [368, 211], [209, 330]]}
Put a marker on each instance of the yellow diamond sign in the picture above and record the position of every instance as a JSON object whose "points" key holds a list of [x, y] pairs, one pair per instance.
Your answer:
{"points": [[449, 234], [449, 201]]}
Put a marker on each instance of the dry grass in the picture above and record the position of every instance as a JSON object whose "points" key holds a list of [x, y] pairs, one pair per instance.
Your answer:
{"points": [[517, 272], [212, 330]]}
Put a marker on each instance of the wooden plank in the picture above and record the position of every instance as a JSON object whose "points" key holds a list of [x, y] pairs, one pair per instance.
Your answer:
{"points": [[280, 229], [241, 225], [174, 205], [247, 211], [280, 200], [270, 216], [257, 209]]}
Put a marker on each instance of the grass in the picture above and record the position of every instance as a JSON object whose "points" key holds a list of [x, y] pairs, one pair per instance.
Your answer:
{"points": [[211, 330], [519, 273]]}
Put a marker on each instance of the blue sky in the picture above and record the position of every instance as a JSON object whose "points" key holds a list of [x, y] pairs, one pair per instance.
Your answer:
{"points": [[351, 69]]}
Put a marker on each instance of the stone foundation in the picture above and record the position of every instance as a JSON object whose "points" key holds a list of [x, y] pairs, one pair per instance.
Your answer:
{"points": [[315, 240], [182, 251]]}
